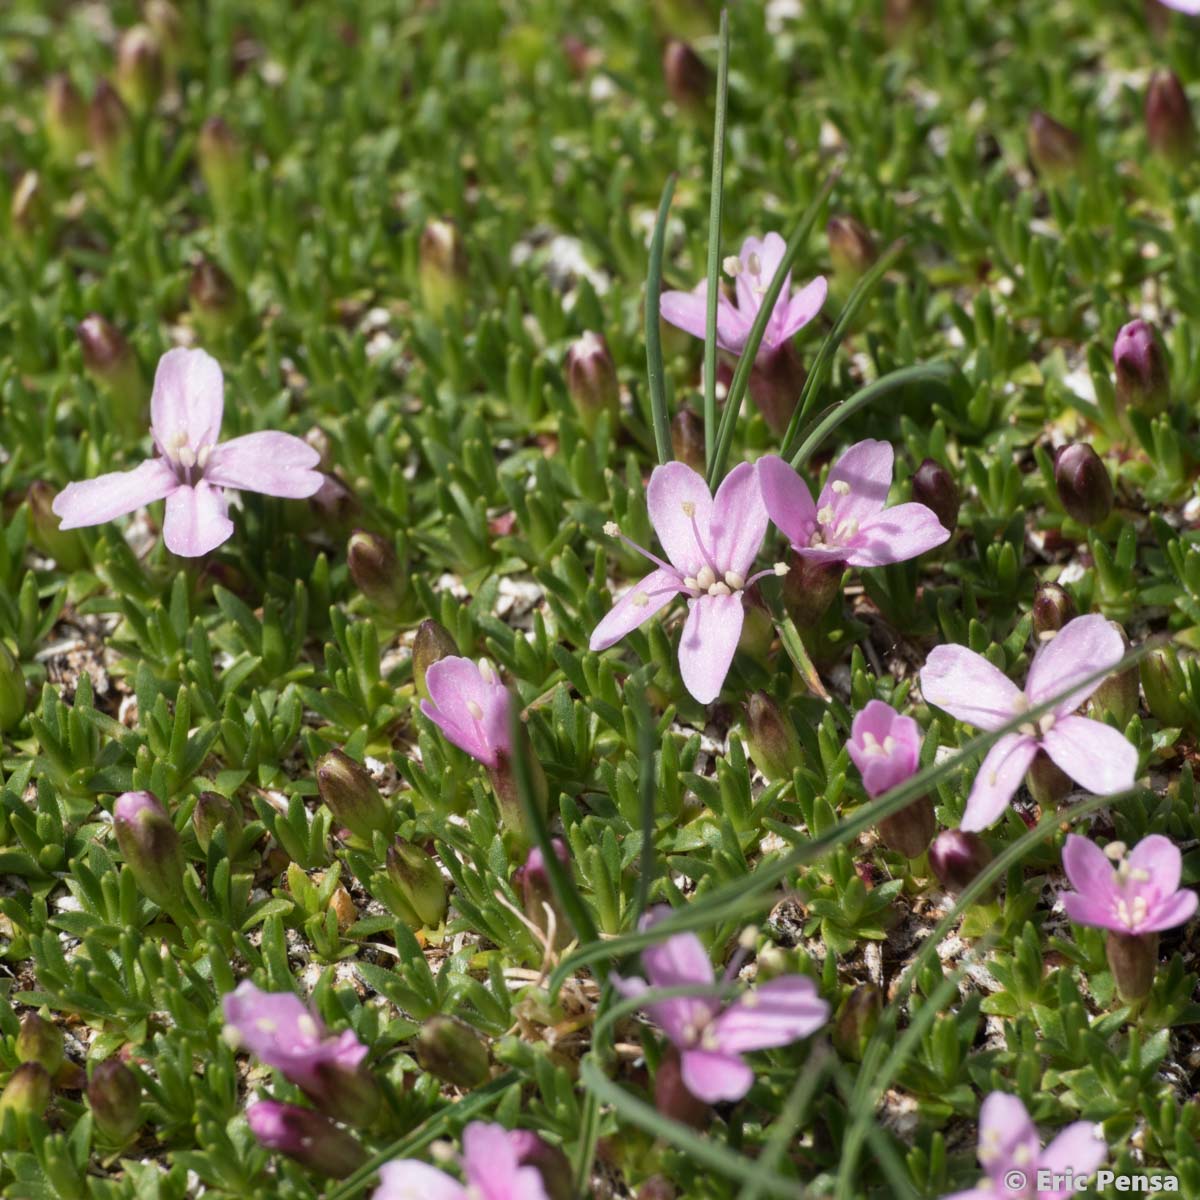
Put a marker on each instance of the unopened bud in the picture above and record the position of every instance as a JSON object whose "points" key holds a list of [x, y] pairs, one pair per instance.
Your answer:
{"points": [[38, 1041], [1084, 487], [213, 812], [809, 588], [504, 785], [115, 1097], [934, 487], [689, 81], [109, 131], [541, 905], [110, 361], [12, 690], [851, 247], [27, 1092], [350, 794], [775, 386], [1170, 130], [1143, 380], [312, 1140], [66, 118], [27, 210], [417, 877], [671, 1096], [64, 546], [1052, 608], [164, 19], [1056, 151], [1166, 686], [140, 69], [375, 569], [592, 381], [222, 160], [151, 848], [1133, 959], [1116, 696], [958, 858], [432, 643], [213, 298], [687, 439], [549, 1161], [453, 1052], [856, 1021], [909, 831], [771, 738], [1047, 782], [442, 268]]}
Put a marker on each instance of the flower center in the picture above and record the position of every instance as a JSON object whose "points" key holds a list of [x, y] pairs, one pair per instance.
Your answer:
{"points": [[873, 748], [183, 458]]}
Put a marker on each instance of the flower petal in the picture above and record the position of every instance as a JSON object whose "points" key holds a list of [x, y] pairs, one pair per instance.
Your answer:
{"points": [[800, 309], [679, 961], [713, 1077], [709, 640], [1095, 755], [408, 1177], [659, 588], [968, 687], [689, 311], [739, 520], [1075, 1151], [492, 1165], [275, 464], [770, 251], [1086, 911], [1089, 869], [787, 499], [94, 501], [1006, 1135], [1174, 910], [195, 520], [897, 534], [1000, 775], [775, 1014], [1159, 857], [866, 470], [1081, 648], [672, 487], [188, 400], [455, 684]]}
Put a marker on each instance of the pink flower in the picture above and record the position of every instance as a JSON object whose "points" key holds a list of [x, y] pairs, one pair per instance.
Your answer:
{"points": [[1191, 7], [968, 687], [492, 1162], [753, 271], [1011, 1151], [470, 706], [711, 544], [192, 469], [884, 746], [1131, 894], [849, 522], [712, 1040]]}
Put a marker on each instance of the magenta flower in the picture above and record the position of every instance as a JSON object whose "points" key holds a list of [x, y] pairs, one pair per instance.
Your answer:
{"points": [[849, 523], [1094, 755], [470, 706], [311, 1139], [711, 544], [192, 469], [1132, 893], [1011, 1153], [711, 1039], [493, 1163], [884, 746], [752, 271]]}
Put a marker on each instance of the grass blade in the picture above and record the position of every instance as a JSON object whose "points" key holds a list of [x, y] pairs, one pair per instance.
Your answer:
{"points": [[654, 357]]}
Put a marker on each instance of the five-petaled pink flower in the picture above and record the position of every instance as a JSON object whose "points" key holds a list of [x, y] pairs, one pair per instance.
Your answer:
{"points": [[884, 746], [1011, 1153], [493, 1163], [1093, 754], [849, 523], [712, 1040], [470, 705], [192, 469], [711, 544], [1132, 893], [753, 271]]}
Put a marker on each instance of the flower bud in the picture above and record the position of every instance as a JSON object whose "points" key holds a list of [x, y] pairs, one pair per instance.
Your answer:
{"points": [[417, 877], [213, 812], [856, 1021], [167, 25], [312, 1140], [671, 1096], [27, 1092], [775, 386], [539, 901], [549, 1161], [809, 589], [442, 268], [1133, 959], [1052, 608], [687, 439], [109, 132], [27, 209], [39, 1041], [688, 79], [934, 487], [1047, 783], [110, 361], [213, 299], [1165, 683], [151, 848], [350, 794], [1143, 381], [1084, 487], [453, 1052], [12, 690], [771, 738], [376, 571], [909, 831], [115, 1097], [592, 381], [1056, 151], [140, 71], [851, 247], [1116, 696], [957, 858], [432, 643], [66, 118], [1170, 130], [64, 546], [222, 161]]}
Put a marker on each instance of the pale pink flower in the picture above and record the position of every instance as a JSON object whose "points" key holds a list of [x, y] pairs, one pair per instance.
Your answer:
{"points": [[192, 469], [884, 746], [1191, 7], [470, 705], [711, 544], [1094, 755], [850, 522], [1132, 893]]}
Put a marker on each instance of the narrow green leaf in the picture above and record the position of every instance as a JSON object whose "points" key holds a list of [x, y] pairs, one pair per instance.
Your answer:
{"points": [[654, 358], [714, 245]]}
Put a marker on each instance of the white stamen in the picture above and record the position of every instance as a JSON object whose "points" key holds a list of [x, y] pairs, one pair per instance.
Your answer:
{"points": [[612, 529], [1140, 875], [748, 937], [735, 581], [754, 264], [689, 582], [849, 528], [841, 487], [719, 589], [474, 709], [825, 515], [709, 1040], [640, 599], [889, 744], [732, 265], [689, 508], [1115, 851], [486, 672], [307, 1026], [1046, 722], [781, 568], [266, 1025], [705, 578], [187, 457], [202, 456]]}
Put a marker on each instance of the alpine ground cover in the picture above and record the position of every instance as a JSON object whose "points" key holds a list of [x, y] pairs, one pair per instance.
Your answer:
{"points": [[376, 820]]}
